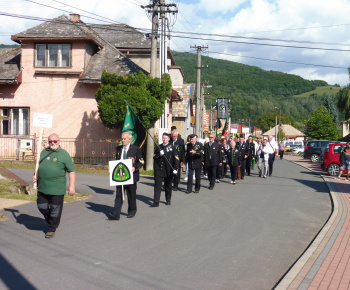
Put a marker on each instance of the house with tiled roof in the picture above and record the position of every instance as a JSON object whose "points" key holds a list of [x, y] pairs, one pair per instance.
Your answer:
{"points": [[290, 133], [57, 69]]}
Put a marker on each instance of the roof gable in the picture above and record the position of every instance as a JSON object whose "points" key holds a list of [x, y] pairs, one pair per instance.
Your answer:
{"points": [[10, 65]]}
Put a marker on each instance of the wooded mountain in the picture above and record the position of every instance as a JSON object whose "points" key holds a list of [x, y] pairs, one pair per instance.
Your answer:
{"points": [[253, 91]]}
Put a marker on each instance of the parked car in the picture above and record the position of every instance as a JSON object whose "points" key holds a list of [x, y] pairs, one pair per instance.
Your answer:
{"points": [[314, 148], [290, 147], [330, 159], [299, 150], [291, 144]]}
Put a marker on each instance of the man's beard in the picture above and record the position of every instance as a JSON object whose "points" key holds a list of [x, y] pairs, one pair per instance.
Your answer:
{"points": [[54, 146]]}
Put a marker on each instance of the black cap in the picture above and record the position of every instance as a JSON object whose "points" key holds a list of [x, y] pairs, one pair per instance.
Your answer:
{"points": [[173, 128], [193, 136], [166, 134]]}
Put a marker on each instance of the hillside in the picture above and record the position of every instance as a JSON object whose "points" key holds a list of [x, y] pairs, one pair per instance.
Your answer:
{"points": [[253, 91]]}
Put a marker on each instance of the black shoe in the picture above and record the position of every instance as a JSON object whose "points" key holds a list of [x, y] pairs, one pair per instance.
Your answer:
{"points": [[154, 205], [196, 191], [175, 188], [211, 188], [113, 217], [131, 215], [259, 174], [168, 203], [188, 191]]}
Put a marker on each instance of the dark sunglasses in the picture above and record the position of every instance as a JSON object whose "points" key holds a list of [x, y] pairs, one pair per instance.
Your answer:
{"points": [[53, 141]]}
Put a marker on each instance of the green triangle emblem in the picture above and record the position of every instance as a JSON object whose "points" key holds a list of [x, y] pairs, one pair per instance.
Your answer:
{"points": [[121, 173]]}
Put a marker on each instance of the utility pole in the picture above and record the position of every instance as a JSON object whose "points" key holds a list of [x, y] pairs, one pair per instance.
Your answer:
{"points": [[199, 108], [156, 7]]}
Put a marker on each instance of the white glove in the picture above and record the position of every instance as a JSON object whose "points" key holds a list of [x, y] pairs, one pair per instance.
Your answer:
{"points": [[161, 152], [175, 172]]}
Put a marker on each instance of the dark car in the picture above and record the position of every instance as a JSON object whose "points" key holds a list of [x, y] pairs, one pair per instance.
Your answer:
{"points": [[314, 148], [330, 160]]}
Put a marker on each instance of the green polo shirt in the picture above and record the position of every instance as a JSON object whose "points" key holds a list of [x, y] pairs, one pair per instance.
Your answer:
{"points": [[52, 171]]}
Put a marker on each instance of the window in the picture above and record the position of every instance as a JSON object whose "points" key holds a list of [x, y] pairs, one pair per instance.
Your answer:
{"points": [[14, 121], [337, 149], [53, 55]]}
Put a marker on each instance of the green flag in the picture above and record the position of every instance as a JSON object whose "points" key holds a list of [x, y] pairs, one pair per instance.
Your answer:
{"points": [[134, 127]]}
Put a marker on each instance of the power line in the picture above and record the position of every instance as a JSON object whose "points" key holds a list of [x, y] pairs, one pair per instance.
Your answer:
{"points": [[183, 37], [284, 61]]}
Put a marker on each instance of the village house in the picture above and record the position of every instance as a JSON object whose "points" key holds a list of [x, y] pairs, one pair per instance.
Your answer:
{"points": [[57, 69]]}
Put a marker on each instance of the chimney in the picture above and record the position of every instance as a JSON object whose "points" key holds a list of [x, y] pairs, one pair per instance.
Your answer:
{"points": [[74, 17]]}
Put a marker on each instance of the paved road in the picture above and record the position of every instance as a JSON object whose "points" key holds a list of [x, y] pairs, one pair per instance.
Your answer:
{"points": [[235, 237]]}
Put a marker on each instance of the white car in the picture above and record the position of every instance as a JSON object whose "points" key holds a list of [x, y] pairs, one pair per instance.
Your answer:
{"points": [[298, 150]]}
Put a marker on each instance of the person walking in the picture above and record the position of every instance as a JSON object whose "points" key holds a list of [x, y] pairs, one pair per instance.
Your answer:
{"points": [[263, 156], [179, 144], [194, 157], [54, 164], [243, 149], [233, 161], [281, 149], [251, 154], [166, 161], [212, 159], [272, 149], [127, 151], [344, 161]]}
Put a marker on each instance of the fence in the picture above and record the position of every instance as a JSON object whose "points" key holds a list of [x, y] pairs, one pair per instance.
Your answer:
{"points": [[83, 151]]}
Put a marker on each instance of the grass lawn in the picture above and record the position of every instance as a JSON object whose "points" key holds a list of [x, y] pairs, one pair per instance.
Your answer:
{"points": [[320, 91]]}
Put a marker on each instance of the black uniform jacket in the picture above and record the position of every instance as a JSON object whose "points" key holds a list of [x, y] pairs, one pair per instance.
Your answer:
{"points": [[135, 154], [243, 150], [212, 155], [162, 167], [251, 148], [232, 160], [195, 160], [180, 146]]}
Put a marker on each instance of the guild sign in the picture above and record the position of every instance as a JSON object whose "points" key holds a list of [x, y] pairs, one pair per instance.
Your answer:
{"points": [[120, 172], [222, 105]]}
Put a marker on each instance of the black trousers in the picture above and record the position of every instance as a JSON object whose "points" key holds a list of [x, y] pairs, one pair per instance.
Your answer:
{"points": [[158, 188], [281, 154], [234, 172], [243, 167], [130, 191], [190, 179], [211, 170], [248, 164], [220, 172], [51, 207], [271, 161], [176, 178]]}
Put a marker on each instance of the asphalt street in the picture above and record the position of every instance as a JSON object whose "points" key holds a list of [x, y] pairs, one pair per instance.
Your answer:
{"points": [[242, 236]]}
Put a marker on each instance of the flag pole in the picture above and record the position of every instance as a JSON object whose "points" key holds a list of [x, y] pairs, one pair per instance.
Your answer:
{"points": [[148, 133]]}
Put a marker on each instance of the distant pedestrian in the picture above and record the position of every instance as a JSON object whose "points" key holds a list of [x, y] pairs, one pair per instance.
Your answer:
{"points": [[179, 144], [233, 161], [54, 164], [194, 158], [281, 149], [212, 159], [344, 161], [166, 161], [272, 149], [243, 149], [251, 154], [263, 156]]}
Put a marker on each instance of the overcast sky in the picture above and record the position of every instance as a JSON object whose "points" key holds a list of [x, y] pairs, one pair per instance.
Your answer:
{"points": [[275, 25]]}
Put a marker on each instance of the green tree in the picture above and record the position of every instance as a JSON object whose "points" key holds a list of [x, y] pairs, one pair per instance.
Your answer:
{"points": [[146, 95], [344, 102], [322, 126], [268, 120], [331, 107]]}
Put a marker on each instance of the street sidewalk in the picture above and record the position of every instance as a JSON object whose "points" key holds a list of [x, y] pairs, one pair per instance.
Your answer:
{"points": [[325, 264]]}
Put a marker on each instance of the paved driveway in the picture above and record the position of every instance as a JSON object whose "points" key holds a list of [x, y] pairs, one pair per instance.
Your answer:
{"points": [[234, 237]]}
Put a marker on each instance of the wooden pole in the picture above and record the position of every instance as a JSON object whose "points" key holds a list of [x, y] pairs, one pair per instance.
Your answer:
{"points": [[38, 151]]}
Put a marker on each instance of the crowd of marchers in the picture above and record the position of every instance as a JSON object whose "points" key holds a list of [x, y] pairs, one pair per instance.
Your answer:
{"points": [[213, 156]]}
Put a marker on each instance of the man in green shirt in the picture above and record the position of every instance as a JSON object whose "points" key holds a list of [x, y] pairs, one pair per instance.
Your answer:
{"points": [[54, 163]]}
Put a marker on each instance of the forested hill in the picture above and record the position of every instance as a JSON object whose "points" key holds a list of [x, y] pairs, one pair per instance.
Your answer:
{"points": [[252, 91]]}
